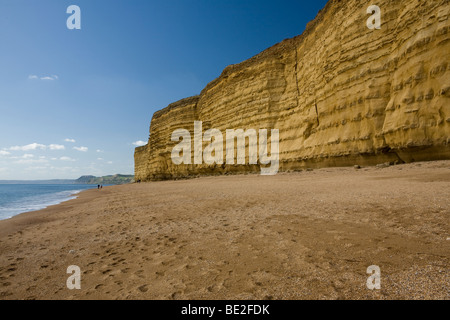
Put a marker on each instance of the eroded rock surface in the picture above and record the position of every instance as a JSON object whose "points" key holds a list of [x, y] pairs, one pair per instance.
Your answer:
{"points": [[340, 94]]}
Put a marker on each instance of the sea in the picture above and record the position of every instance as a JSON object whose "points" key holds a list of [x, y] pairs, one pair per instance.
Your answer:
{"points": [[20, 198]]}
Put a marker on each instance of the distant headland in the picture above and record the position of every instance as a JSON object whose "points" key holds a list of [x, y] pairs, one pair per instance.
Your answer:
{"points": [[112, 179]]}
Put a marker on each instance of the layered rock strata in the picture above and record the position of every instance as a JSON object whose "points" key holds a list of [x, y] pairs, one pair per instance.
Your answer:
{"points": [[340, 94]]}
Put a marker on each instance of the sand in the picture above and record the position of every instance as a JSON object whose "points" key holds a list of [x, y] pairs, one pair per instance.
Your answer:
{"points": [[302, 235]]}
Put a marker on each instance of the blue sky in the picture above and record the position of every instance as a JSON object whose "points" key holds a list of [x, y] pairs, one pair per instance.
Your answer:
{"points": [[73, 102]]}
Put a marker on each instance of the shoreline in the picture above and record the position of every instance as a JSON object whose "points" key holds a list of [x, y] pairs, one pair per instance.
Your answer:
{"points": [[72, 196], [40, 214], [301, 235]]}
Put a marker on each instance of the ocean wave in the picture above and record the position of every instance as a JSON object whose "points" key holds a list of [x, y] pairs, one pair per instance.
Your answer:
{"points": [[36, 202]]}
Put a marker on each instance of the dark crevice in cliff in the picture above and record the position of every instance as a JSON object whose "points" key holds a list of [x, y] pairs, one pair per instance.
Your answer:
{"points": [[389, 150], [317, 114], [399, 158], [296, 76]]}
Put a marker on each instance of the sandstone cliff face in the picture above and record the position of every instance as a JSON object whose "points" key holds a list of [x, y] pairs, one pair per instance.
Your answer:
{"points": [[340, 94]]}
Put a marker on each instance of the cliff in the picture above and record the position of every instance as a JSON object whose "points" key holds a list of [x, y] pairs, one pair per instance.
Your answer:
{"points": [[340, 94]]}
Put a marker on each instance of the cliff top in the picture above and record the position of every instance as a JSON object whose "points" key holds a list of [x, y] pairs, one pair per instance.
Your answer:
{"points": [[172, 106], [277, 49]]}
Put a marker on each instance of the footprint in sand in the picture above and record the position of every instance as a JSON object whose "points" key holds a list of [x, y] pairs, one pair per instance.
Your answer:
{"points": [[143, 288], [5, 294], [175, 295], [125, 270]]}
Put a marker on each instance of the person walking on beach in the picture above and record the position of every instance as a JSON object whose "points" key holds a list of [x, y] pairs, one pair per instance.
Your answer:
{"points": [[98, 187]]}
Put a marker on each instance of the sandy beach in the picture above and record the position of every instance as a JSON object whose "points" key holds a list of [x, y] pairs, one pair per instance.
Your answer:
{"points": [[300, 235]]}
